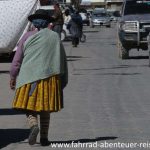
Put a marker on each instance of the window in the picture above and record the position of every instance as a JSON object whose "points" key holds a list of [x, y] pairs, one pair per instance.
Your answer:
{"points": [[100, 15], [137, 7]]}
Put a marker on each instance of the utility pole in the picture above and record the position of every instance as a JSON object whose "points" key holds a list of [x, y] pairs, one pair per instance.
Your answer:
{"points": [[76, 3]]}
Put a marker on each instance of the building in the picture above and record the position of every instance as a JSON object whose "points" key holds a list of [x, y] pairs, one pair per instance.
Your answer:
{"points": [[50, 2], [94, 3], [98, 3], [114, 5]]}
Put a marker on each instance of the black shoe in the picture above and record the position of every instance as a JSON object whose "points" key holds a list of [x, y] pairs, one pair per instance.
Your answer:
{"points": [[44, 142], [33, 134]]}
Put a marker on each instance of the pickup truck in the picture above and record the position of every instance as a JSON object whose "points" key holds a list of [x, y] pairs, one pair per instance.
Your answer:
{"points": [[133, 26]]}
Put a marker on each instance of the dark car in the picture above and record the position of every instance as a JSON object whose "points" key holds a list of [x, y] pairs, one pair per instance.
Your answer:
{"points": [[134, 26], [114, 15]]}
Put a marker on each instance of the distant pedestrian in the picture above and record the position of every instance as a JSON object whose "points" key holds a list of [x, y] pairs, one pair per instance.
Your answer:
{"points": [[67, 16], [39, 74], [75, 26], [59, 21]]}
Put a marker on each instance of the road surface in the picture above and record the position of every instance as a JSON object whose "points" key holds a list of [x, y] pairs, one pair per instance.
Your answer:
{"points": [[107, 100]]}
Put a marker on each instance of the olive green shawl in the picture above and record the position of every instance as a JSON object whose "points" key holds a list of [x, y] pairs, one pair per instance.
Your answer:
{"points": [[44, 56]]}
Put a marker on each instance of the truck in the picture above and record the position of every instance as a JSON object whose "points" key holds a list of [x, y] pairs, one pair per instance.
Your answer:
{"points": [[133, 27]]}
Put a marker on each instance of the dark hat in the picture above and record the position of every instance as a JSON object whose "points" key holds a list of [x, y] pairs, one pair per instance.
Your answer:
{"points": [[41, 14], [57, 4]]}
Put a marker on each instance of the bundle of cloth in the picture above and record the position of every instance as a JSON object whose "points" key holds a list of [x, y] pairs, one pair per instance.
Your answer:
{"points": [[13, 18]]}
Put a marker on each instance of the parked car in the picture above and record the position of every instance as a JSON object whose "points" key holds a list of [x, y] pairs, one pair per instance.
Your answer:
{"points": [[133, 27], [112, 16], [99, 9], [99, 18]]}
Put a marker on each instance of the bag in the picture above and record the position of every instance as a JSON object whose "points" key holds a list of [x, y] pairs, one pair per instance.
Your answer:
{"points": [[83, 38]]}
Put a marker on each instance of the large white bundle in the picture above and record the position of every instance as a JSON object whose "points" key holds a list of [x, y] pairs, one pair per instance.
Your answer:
{"points": [[13, 21]]}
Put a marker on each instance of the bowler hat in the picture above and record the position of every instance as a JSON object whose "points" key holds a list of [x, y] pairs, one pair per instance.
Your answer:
{"points": [[41, 14], [57, 4]]}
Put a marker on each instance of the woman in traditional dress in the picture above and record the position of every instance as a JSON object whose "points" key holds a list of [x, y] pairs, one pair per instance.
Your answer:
{"points": [[39, 74]]}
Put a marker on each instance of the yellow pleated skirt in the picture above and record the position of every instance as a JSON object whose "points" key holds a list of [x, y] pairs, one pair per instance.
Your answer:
{"points": [[46, 96]]}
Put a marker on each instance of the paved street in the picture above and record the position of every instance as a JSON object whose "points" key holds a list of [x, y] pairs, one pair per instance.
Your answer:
{"points": [[107, 99]]}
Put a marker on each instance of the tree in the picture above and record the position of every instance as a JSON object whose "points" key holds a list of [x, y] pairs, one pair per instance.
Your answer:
{"points": [[76, 3]]}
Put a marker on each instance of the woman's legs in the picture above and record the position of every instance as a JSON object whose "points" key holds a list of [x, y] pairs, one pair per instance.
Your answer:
{"points": [[32, 119], [75, 41], [44, 124], [44, 127], [34, 129]]}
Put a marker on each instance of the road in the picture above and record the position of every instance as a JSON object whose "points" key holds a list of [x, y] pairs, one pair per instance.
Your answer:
{"points": [[107, 99]]}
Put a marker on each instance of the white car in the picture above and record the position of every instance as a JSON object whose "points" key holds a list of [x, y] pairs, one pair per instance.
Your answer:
{"points": [[100, 19]]}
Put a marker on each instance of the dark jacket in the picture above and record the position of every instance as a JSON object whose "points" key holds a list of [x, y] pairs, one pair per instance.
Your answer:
{"points": [[58, 16], [75, 25]]}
